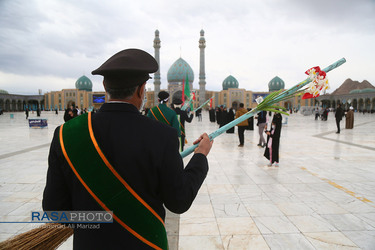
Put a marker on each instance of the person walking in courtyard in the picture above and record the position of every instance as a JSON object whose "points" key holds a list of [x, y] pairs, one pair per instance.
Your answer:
{"points": [[243, 125], [273, 142], [183, 117], [68, 115], [349, 120], [325, 114], [338, 115], [262, 122], [27, 113], [198, 114], [164, 114], [230, 117], [316, 113], [250, 121]]}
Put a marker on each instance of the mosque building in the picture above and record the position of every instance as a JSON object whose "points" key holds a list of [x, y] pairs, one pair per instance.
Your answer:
{"points": [[15, 102], [82, 96], [359, 95], [180, 72], [351, 93]]}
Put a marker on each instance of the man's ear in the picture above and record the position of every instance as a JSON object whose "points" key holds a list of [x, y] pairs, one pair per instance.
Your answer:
{"points": [[139, 90]]}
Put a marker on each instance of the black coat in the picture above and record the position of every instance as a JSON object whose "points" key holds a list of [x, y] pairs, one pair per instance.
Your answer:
{"points": [[184, 117], [230, 117], [339, 114], [145, 153], [277, 119], [212, 115], [275, 144]]}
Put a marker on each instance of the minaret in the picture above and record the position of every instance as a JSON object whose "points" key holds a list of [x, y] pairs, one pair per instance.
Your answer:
{"points": [[157, 73], [202, 74]]}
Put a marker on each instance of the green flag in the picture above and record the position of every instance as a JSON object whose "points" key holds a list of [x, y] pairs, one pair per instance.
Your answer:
{"points": [[187, 87], [187, 90]]}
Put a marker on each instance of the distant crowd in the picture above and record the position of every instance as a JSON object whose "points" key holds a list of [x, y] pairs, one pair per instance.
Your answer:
{"points": [[72, 112]]}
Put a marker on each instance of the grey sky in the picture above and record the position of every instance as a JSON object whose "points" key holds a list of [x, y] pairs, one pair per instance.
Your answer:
{"points": [[48, 45]]}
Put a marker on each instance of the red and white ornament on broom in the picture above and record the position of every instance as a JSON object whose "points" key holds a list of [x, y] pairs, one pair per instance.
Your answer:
{"points": [[319, 83]]}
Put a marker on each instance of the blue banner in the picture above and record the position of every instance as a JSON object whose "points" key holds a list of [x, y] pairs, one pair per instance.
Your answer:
{"points": [[38, 123], [255, 96]]}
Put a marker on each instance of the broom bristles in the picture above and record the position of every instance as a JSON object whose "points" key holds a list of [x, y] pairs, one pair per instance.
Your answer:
{"points": [[47, 236]]}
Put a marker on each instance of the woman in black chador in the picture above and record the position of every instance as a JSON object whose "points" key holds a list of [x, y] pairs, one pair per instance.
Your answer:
{"points": [[250, 121], [212, 115], [230, 117], [273, 141]]}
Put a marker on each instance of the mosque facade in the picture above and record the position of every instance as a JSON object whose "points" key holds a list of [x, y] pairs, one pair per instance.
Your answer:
{"points": [[81, 96], [13, 102], [359, 95], [351, 93], [231, 94]]}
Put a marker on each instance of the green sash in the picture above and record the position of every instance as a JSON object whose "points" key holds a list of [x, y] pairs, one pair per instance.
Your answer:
{"points": [[106, 186], [159, 116]]}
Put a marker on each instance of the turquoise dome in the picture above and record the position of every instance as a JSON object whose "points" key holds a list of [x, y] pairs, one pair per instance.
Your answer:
{"points": [[367, 90], [276, 84], [3, 92], [230, 82], [178, 71], [84, 83]]}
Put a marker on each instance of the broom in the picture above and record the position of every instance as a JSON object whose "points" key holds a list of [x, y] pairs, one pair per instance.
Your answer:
{"points": [[47, 236]]}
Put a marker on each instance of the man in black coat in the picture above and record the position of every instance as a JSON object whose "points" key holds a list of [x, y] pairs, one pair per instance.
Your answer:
{"points": [[183, 117], [142, 151], [338, 115]]}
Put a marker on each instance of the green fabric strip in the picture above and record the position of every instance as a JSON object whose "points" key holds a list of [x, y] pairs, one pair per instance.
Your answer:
{"points": [[105, 184], [159, 116]]}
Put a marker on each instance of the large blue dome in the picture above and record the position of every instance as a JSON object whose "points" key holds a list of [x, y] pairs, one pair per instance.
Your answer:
{"points": [[84, 83], [178, 71], [230, 83], [276, 84]]}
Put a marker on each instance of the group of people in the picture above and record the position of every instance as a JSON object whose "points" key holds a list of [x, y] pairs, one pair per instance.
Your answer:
{"points": [[323, 115], [72, 112], [339, 114], [222, 116], [38, 112], [273, 134], [349, 120]]}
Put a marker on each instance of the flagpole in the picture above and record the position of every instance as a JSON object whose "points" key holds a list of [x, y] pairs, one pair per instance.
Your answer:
{"points": [[187, 104], [203, 104], [266, 105]]}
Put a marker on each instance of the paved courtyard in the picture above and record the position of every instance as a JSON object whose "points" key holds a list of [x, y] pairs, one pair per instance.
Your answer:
{"points": [[320, 197]]}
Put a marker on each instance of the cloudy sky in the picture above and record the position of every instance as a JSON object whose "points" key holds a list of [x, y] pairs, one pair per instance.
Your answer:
{"points": [[48, 45]]}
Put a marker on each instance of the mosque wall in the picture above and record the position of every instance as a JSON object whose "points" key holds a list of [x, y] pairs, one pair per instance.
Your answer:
{"points": [[83, 99]]}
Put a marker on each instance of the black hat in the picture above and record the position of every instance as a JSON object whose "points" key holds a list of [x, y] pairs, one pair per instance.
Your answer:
{"points": [[177, 101], [130, 67], [163, 95]]}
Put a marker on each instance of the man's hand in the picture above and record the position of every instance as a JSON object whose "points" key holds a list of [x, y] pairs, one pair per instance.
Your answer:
{"points": [[204, 146]]}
